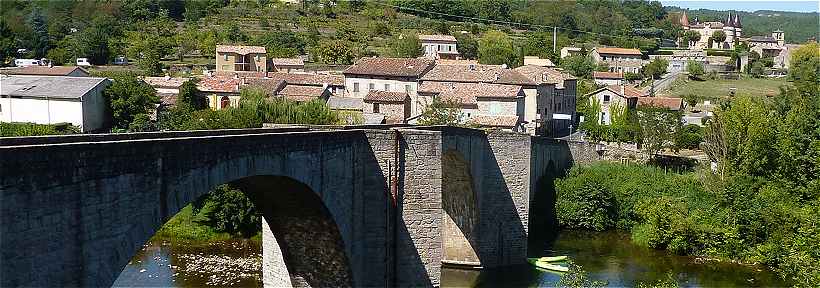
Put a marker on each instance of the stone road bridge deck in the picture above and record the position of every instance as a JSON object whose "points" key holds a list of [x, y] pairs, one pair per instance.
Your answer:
{"points": [[344, 206]]}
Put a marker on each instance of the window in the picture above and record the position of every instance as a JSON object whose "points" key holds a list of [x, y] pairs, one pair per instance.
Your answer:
{"points": [[408, 88], [356, 87], [386, 87], [257, 57], [606, 98], [375, 107], [603, 118], [371, 87], [226, 56]]}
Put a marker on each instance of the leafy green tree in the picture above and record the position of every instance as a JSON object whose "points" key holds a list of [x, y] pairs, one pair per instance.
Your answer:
{"points": [[7, 40], [128, 97], [656, 68], [441, 113], [805, 64], [689, 137], [695, 69], [496, 48], [467, 46], [281, 44], [579, 66], [59, 56], [719, 36], [190, 97], [38, 42], [691, 36], [230, 210], [658, 126], [629, 76], [149, 62], [539, 44], [405, 46], [92, 42], [756, 69], [335, 52]]}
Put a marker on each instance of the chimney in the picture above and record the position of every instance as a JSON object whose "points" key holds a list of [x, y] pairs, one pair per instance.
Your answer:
{"points": [[235, 75], [497, 76], [622, 90]]}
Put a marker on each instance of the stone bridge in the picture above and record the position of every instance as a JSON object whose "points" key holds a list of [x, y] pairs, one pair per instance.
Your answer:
{"points": [[363, 206]]}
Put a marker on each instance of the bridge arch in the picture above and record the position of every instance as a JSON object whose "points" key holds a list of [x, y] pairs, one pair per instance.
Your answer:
{"points": [[460, 214]]}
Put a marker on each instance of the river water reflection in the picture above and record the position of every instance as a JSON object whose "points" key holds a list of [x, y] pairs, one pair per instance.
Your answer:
{"points": [[607, 256], [612, 257]]}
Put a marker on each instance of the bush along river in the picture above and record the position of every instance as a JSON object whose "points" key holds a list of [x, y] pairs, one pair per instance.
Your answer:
{"points": [[613, 258]]}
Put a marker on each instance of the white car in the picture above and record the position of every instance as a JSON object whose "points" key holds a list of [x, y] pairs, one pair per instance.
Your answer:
{"points": [[120, 61], [83, 62]]}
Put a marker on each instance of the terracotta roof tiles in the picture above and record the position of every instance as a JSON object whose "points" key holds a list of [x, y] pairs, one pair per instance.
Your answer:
{"points": [[618, 51], [494, 121], [673, 104], [238, 49], [385, 96], [395, 67]]}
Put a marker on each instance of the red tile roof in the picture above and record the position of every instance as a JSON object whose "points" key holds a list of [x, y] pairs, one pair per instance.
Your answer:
{"points": [[163, 82], [494, 121], [301, 93], [476, 73], [441, 38], [270, 86], [607, 75], [544, 75], [241, 74], [395, 67], [674, 104], [618, 51], [387, 97], [469, 93], [308, 79], [219, 84], [43, 70], [238, 49], [629, 91]]}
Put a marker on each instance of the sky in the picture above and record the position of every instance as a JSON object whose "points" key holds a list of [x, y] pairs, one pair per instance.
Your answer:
{"points": [[746, 5]]}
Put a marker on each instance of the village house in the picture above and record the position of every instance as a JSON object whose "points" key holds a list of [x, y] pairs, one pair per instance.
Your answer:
{"points": [[54, 99], [389, 75], [221, 91], [489, 105], [288, 65], [167, 88], [614, 99], [395, 106], [232, 58], [679, 59], [608, 78], [335, 83], [536, 61], [554, 109], [618, 59], [439, 46], [72, 71]]}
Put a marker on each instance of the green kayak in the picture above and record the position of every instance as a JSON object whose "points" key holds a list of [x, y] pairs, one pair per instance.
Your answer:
{"points": [[552, 259], [548, 266]]}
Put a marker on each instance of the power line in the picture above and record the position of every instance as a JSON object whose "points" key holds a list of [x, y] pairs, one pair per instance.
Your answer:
{"points": [[506, 22]]}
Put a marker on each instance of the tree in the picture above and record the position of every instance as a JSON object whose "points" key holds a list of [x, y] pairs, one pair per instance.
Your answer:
{"points": [[496, 48], [38, 43], [467, 46], [93, 41], [281, 44], [441, 113], [149, 63], [658, 126], [805, 64], [230, 210], [579, 65], [719, 36], [695, 69], [691, 99], [128, 97], [689, 137], [189, 96], [756, 69], [539, 44], [405, 46], [656, 68], [690, 37], [335, 52]]}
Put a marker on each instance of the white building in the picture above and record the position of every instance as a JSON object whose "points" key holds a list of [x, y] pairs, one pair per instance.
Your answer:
{"points": [[388, 75], [54, 99], [608, 78], [618, 59], [439, 46]]}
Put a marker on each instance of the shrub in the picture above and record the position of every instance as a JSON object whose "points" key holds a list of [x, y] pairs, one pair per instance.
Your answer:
{"points": [[230, 210], [689, 137], [584, 203], [17, 129]]}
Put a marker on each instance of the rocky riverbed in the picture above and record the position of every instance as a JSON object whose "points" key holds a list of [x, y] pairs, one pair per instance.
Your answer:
{"points": [[234, 263]]}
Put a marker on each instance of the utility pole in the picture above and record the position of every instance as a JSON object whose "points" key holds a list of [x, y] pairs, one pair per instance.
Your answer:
{"points": [[554, 38]]}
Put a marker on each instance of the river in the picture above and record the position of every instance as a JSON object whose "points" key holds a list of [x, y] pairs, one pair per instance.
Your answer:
{"points": [[606, 256]]}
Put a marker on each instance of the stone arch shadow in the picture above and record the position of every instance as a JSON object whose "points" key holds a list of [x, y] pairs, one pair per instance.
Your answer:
{"points": [[484, 198], [552, 159]]}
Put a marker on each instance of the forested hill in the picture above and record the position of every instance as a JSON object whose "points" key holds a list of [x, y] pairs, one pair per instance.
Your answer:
{"points": [[797, 26]]}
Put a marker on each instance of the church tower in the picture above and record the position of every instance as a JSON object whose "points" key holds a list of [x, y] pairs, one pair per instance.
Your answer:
{"points": [[730, 30], [778, 35]]}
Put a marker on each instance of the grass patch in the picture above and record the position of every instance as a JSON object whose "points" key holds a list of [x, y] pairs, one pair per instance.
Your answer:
{"points": [[712, 89], [187, 226]]}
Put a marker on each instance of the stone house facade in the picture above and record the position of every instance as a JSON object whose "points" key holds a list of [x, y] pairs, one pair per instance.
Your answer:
{"points": [[231, 58], [439, 46], [618, 59], [395, 106], [388, 75]]}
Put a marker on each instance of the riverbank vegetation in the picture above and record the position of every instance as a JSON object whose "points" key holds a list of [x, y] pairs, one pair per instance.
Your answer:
{"points": [[758, 203]]}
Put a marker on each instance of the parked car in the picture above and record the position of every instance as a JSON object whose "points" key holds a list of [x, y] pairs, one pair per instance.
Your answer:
{"points": [[121, 60], [26, 62], [83, 62]]}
